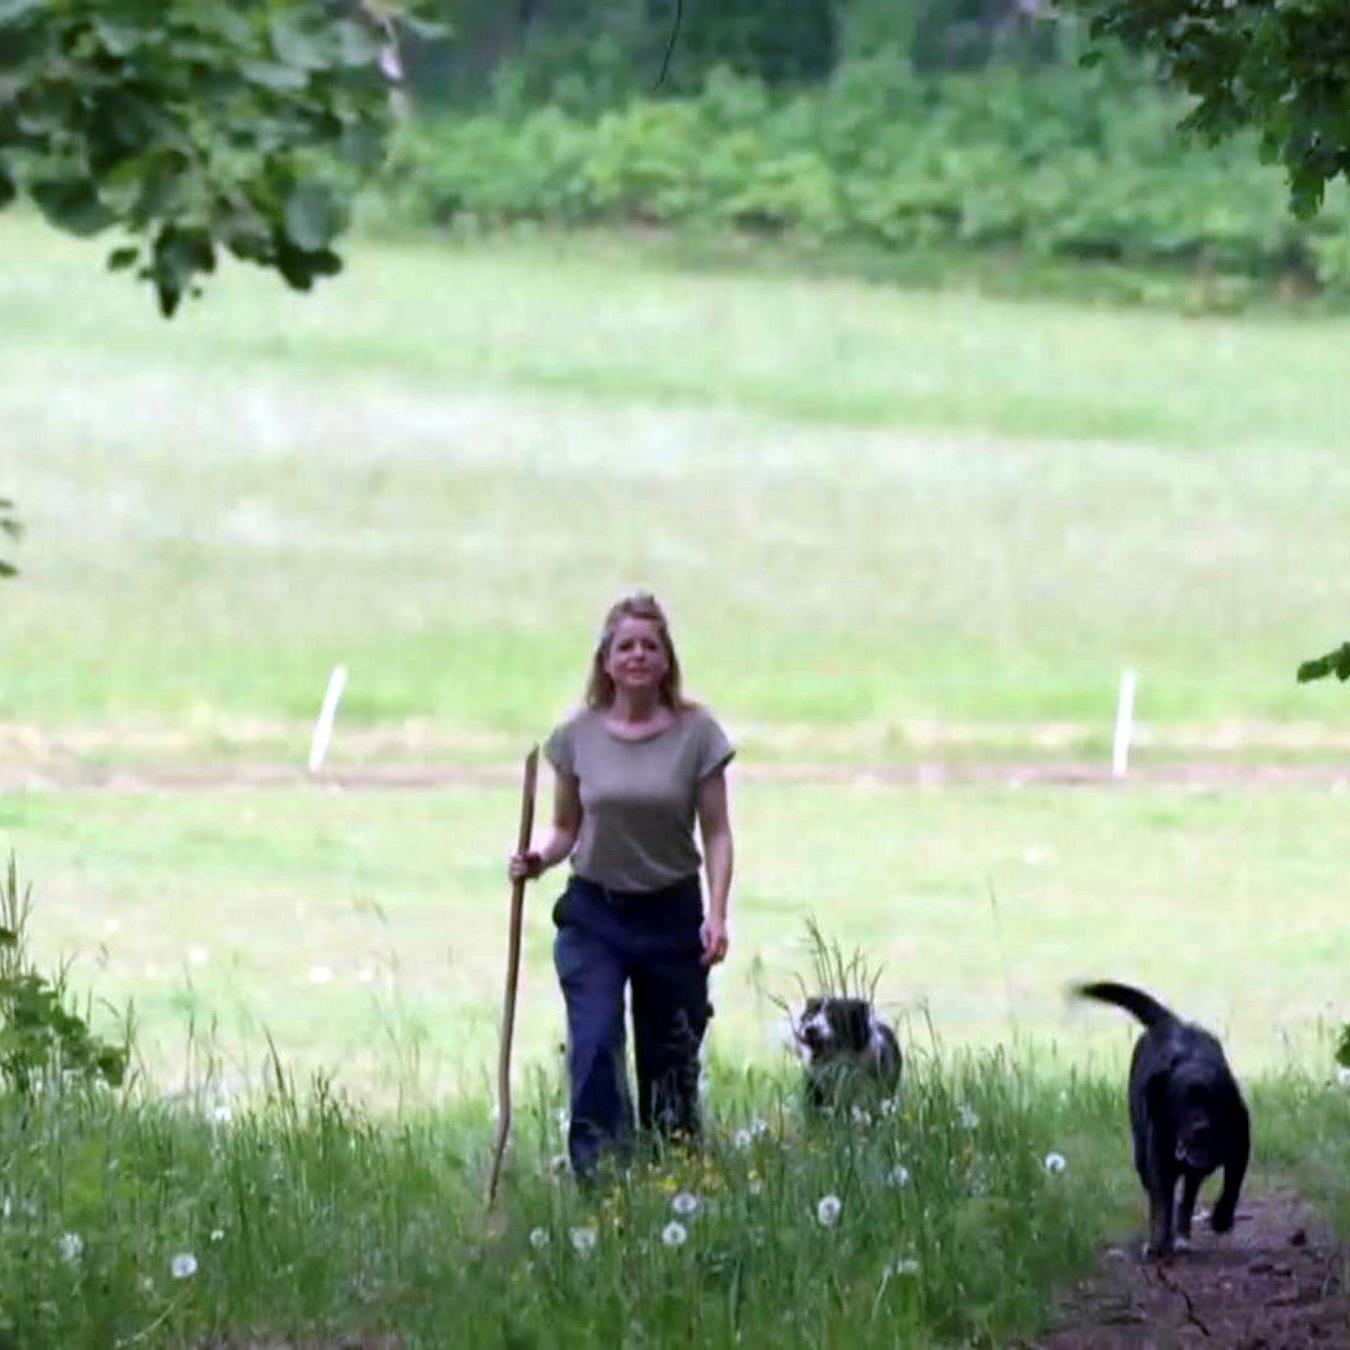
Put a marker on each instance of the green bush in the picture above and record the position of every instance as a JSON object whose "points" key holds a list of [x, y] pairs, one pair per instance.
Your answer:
{"points": [[41, 1039], [1060, 162]]}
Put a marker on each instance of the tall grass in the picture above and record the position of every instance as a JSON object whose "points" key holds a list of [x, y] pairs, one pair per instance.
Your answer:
{"points": [[306, 1216], [314, 1218]]}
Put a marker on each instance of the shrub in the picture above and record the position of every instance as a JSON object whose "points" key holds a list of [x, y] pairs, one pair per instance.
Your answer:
{"points": [[41, 1038], [1061, 162]]}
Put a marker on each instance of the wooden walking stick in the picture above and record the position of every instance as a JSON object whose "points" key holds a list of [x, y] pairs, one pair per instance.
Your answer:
{"points": [[512, 977]]}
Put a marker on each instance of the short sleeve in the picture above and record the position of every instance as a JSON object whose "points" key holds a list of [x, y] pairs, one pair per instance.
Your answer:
{"points": [[715, 750], [560, 749]]}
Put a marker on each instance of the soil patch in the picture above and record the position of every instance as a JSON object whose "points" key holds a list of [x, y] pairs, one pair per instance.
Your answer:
{"points": [[1275, 1283]]}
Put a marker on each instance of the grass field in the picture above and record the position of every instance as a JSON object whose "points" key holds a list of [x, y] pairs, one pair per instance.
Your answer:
{"points": [[909, 541], [367, 930], [866, 508]]}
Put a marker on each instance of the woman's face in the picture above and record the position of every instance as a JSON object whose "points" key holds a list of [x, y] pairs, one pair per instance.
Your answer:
{"points": [[636, 660]]}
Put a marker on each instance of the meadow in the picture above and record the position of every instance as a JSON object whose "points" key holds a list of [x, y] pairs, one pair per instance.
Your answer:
{"points": [[909, 542]]}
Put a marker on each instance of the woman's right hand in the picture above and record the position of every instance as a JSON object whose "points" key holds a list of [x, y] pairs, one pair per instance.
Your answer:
{"points": [[524, 866]]}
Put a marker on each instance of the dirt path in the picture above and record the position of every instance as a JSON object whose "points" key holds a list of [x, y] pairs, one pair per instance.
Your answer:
{"points": [[1274, 1283]]}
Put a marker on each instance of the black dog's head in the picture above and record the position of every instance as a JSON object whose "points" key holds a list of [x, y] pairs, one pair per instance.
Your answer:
{"points": [[1193, 1102], [830, 1027]]}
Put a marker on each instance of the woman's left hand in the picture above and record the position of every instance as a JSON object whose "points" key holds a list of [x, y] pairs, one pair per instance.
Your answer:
{"points": [[715, 940]]}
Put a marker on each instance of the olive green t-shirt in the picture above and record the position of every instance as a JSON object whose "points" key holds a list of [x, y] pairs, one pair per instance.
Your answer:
{"points": [[638, 798]]}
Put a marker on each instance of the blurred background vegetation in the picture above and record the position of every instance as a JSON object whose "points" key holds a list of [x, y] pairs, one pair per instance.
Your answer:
{"points": [[950, 131]]}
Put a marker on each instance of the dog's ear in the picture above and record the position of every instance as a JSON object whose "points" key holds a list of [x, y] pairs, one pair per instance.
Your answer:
{"points": [[858, 1023]]}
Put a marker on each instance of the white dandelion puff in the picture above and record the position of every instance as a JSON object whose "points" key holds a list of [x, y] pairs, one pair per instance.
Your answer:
{"points": [[71, 1246], [1343, 1076], [321, 974], [861, 1116], [221, 1114], [906, 1265], [968, 1117], [743, 1139], [888, 1106], [828, 1210], [1055, 1163], [685, 1204], [674, 1234], [217, 1235], [584, 1240], [899, 1175], [755, 1186], [539, 1238]]}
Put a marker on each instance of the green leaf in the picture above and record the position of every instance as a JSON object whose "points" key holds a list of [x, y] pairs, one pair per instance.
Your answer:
{"points": [[11, 11], [1333, 663], [298, 44], [72, 204], [274, 75], [314, 216]]}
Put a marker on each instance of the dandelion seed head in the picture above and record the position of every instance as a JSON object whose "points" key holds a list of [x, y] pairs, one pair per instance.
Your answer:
{"points": [[968, 1117], [674, 1234], [1343, 1076], [321, 974], [743, 1138], [899, 1175], [888, 1106], [828, 1210], [539, 1238], [217, 1235], [183, 1266], [584, 1240], [71, 1246], [755, 1186], [861, 1116], [906, 1265], [1055, 1163], [685, 1204]]}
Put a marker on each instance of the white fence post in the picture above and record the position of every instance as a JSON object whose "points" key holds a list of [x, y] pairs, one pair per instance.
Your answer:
{"points": [[1120, 748], [323, 728]]}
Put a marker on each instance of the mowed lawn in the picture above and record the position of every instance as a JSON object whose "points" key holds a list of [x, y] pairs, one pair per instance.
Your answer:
{"points": [[366, 931], [865, 507], [872, 513]]}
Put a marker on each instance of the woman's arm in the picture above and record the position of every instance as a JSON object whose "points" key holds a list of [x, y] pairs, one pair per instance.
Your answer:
{"points": [[714, 822], [563, 836]]}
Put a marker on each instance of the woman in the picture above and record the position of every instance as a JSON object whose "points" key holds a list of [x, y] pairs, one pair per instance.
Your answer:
{"points": [[634, 768]]}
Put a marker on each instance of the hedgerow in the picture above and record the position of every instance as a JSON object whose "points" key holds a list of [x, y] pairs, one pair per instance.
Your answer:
{"points": [[1061, 162]]}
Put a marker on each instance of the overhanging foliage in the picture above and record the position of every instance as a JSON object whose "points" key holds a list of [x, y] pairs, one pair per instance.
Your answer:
{"points": [[195, 125], [1282, 68]]}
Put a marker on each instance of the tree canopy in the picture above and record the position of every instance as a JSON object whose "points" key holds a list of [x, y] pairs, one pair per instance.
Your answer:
{"points": [[194, 125], [1281, 67]]}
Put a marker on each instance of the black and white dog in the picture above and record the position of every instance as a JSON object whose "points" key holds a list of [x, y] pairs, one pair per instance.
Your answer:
{"points": [[842, 1039], [1186, 1114]]}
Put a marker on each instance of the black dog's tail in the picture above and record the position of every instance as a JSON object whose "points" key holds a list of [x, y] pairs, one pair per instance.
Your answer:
{"points": [[1144, 1006]]}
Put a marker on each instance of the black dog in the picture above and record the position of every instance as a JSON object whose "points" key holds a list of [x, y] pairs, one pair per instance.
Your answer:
{"points": [[1186, 1114], [842, 1039]]}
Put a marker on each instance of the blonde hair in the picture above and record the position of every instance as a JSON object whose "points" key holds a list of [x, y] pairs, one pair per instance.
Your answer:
{"points": [[638, 605]]}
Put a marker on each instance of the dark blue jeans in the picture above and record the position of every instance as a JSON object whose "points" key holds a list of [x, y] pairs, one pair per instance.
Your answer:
{"points": [[649, 941]]}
